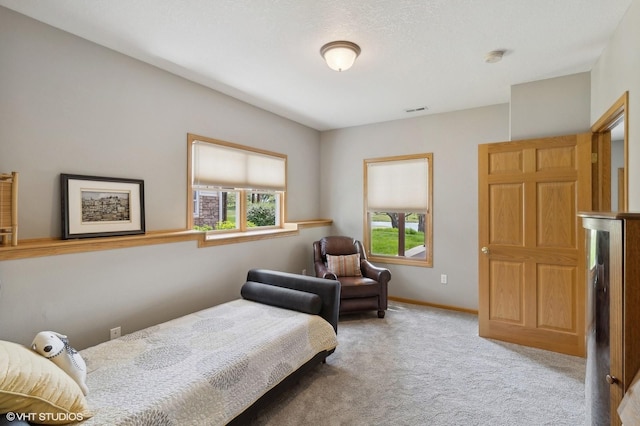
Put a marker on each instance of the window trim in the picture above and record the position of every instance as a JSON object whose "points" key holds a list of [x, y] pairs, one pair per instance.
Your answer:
{"points": [[243, 229], [195, 203], [427, 262]]}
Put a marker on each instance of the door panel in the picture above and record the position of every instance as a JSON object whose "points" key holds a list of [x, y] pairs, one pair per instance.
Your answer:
{"points": [[531, 273], [507, 285], [506, 215], [556, 158], [556, 286], [505, 162], [556, 214]]}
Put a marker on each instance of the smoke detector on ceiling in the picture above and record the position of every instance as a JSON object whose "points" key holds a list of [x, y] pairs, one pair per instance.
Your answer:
{"points": [[494, 56]]}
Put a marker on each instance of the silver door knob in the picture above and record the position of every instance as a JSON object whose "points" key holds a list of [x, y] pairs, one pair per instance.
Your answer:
{"points": [[611, 379], [485, 250]]}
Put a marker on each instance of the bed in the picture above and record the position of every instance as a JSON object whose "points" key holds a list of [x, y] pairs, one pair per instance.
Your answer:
{"points": [[219, 365]]}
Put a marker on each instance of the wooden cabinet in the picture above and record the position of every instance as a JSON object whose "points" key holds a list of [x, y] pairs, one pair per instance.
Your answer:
{"points": [[613, 311]]}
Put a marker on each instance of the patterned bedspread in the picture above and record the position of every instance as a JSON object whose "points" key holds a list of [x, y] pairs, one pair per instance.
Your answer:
{"points": [[201, 369]]}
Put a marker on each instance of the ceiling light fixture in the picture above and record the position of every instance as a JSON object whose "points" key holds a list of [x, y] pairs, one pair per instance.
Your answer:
{"points": [[494, 56], [340, 55]]}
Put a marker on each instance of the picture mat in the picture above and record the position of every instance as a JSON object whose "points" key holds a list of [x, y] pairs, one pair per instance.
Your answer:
{"points": [[75, 189]]}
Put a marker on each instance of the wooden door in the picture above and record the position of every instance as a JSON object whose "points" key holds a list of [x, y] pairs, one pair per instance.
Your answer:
{"points": [[531, 262]]}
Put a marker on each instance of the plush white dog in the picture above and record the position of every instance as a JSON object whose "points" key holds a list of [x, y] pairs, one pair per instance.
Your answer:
{"points": [[55, 347]]}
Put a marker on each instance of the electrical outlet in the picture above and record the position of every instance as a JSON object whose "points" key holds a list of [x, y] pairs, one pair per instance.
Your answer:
{"points": [[304, 272], [443, 279], [115, 333]]}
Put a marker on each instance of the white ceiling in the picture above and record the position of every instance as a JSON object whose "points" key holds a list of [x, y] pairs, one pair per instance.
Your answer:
{"points": [[415, 53]]}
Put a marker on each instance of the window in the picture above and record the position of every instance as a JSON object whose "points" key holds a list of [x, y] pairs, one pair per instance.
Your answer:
{"points": [[196, 203], [398, 205], [234, 188]]}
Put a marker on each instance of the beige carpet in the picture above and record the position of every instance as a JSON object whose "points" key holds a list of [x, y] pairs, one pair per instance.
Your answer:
{"points": [[427, 366]]}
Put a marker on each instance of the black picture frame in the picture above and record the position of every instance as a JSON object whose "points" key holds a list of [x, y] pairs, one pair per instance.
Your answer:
{"points": [[97, 206]]}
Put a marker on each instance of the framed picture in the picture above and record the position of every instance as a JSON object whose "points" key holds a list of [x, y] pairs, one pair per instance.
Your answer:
{"points": [[94, 206]]}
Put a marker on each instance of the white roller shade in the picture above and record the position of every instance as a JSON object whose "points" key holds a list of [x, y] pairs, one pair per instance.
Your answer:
{"points": [[228, 167], [399, 186]]}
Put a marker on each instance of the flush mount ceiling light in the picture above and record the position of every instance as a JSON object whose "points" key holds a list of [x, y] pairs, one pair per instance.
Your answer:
{"points": [[340, 55], [494, 56]]}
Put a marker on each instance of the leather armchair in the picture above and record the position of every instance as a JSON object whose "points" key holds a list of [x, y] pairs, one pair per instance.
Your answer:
{"points": [[368, 292]]}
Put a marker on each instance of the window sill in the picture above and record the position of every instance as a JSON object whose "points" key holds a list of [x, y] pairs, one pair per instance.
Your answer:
{"points": [[399, 261], [213, 239], [52, 247], [289, 229]]}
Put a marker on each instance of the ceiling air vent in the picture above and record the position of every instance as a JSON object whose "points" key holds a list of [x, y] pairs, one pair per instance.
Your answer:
{"points": [[419, 109]]}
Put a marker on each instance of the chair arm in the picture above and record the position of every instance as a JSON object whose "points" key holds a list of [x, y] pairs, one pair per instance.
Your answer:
{"points": [[382, 275], [323, 272]]}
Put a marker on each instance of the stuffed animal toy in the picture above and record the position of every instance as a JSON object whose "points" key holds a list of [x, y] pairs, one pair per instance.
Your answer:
{"points": [[55, 347]]}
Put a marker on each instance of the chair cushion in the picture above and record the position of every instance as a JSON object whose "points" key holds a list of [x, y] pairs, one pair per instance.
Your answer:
{"points": [[354, 287], [344, 266]]}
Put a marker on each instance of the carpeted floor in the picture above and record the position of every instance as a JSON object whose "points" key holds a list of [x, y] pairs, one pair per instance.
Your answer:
{"points": [[427, 366]]}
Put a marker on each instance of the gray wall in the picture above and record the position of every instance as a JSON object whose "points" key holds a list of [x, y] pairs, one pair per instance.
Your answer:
{"points": [[617, 71], [551, 107], [70, 106], [453, 139]]}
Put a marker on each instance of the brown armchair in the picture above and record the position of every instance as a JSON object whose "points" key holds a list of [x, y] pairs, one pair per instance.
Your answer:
{"points": [[357, 293]]}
